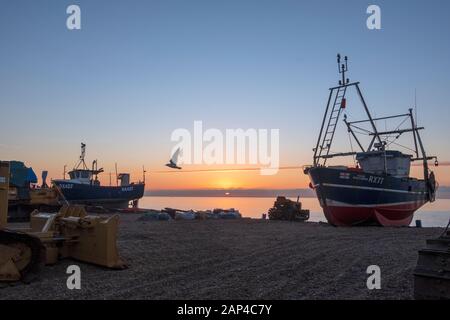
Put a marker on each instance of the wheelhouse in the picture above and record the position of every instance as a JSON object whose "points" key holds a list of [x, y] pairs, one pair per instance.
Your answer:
{"points": [[390, 162], [81, 176]]}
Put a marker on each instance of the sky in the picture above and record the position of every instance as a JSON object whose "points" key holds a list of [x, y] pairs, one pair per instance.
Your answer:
{"points": [[138, 70]]}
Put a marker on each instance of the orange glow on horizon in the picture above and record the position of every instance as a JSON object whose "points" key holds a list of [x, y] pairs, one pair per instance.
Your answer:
{"points": [[158, 177]]}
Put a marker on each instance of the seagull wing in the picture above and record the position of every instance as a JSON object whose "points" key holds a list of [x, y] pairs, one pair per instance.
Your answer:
{"points": [[175, 156]]}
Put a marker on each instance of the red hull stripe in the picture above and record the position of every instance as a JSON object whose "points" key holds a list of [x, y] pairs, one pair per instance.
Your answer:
{"points": [[388, 215]]}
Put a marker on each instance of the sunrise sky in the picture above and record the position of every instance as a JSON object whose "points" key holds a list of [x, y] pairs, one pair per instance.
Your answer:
{"points": [[137, 70]]}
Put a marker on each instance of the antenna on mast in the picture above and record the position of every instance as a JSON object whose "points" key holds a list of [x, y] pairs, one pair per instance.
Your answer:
{"points": [[342, 68], [81, 161]]}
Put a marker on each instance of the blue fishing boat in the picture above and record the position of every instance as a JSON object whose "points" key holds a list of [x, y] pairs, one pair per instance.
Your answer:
{"points": [[83, 187], [378, 189]]}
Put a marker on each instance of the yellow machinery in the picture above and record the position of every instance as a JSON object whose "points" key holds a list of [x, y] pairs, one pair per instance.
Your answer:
{"points": [[285, 209], [69, 233], [44, 196]]}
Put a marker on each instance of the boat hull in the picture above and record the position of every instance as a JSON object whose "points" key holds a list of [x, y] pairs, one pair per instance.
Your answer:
{"points": [[107, 196], [353, 197]]}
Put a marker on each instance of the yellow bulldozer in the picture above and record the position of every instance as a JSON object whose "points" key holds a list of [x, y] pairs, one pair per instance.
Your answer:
{"points": [[69, 233]]}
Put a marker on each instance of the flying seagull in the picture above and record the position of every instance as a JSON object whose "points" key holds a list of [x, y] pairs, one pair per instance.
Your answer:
{"points": [[173, 161]]}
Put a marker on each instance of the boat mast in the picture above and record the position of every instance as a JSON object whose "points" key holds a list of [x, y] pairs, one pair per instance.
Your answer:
{"points": [[81, 161], [422, 149], [331, 117], [415, 133], [374, 128], [143, 174], [342, 68], [117, 175]]}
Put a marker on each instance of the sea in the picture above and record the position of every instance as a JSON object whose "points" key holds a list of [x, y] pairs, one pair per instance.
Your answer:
{"points": [[436, 214]]}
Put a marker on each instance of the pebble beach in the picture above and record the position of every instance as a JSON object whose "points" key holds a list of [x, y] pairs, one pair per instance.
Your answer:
{"points": [[242, 259]]}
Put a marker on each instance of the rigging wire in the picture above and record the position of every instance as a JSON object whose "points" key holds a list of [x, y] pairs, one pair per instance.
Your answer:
{"points": [[398, 127], [400, 145], [362, 129], [351, 148]]}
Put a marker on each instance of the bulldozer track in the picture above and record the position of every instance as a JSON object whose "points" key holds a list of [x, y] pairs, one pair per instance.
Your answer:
{"points": [[36, 258]]}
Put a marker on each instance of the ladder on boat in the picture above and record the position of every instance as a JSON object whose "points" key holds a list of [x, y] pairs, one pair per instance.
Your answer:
{"points": [[332, 117]]}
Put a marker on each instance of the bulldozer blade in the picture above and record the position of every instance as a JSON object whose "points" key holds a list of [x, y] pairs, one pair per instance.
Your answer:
{"points": [[96, 242]]}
